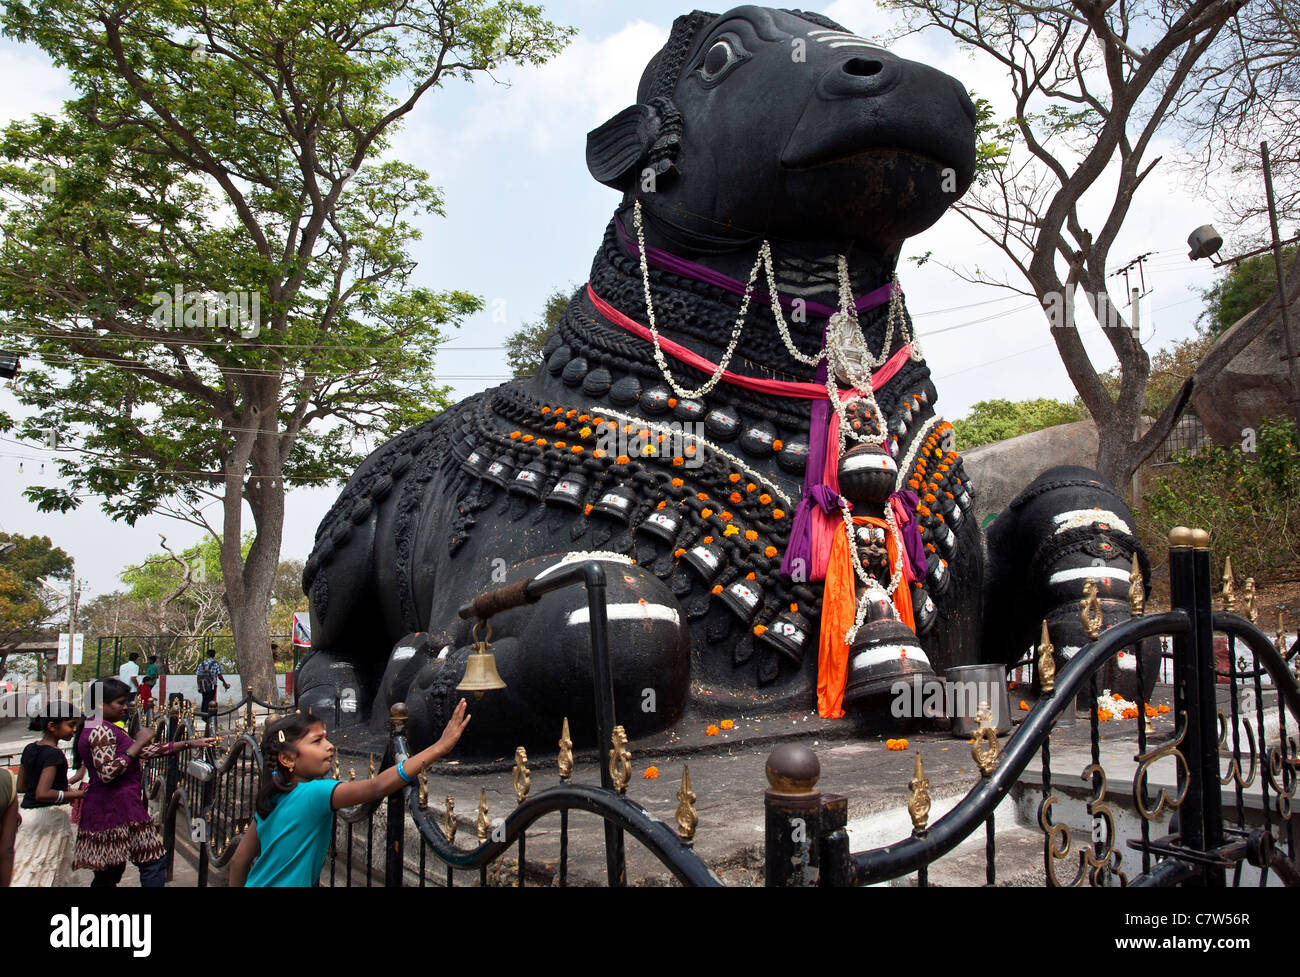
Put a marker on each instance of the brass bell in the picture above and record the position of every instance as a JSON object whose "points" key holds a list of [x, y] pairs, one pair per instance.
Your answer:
{"points": [[481, 667], [481, 675]]}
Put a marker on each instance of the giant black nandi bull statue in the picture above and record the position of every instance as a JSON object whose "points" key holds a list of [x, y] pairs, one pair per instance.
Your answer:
{"points": [[735, 416]]}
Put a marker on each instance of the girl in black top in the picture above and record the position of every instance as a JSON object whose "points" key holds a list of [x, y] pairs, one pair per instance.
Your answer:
{"points": [[43, 854]]}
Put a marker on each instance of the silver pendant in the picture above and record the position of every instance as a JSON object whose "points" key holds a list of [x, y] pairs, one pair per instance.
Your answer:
{"points": [[845, 335]]}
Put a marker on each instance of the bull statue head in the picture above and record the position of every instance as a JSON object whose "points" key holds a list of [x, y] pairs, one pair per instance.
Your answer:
{"points": [[783, 125]]}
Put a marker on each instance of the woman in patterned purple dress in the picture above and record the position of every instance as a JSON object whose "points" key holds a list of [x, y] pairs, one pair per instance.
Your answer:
{"points": [[115, 825]]}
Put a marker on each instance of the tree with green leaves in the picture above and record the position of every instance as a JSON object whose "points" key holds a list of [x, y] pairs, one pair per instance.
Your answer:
{"points": [[997, 420], [206, 258], [25, 604], [1171, 368], [1091, 85], [524, 346], [1244, 287]]}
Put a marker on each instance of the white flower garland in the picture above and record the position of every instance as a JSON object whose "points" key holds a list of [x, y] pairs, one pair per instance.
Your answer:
{"points": [[654, 328], [765, 252], [681, 432], [861, 572]]}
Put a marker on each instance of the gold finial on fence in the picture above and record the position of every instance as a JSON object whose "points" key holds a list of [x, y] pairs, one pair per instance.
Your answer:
{"points": [[1229, 588], [687, 819], [620, 760], [1090, 610], [1046, 663], [1249, 597], [483, 825], [423, 778], [521, 777], [1136, 589], [918, 805], [370, 763], [985, 747], [1280, 643], [449, 820], [352, 773], [566, 752]]}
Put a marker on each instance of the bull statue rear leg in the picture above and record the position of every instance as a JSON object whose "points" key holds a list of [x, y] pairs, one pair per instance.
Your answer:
{"points": [[1067, 528]]}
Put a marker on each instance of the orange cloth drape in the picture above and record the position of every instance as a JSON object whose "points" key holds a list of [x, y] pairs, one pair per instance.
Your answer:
{"points": [[839, 606]]}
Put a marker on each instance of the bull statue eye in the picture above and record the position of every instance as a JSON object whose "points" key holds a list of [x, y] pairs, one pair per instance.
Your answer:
{"points": [[722, 56]]}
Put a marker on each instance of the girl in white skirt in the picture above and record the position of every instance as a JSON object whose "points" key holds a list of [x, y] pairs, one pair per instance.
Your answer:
{"points": [[43, 853]]}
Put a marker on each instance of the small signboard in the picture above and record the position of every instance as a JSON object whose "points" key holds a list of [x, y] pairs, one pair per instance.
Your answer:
{"points": [[301, 629], [75, 643]]}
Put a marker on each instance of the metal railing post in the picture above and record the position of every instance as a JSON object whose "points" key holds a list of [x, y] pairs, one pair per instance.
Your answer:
{"points": [[170, 781], [1195, 704], [1207, 712], [792, 808], [395, 806]]}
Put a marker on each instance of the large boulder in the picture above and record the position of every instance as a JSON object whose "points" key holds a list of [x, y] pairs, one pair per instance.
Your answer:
{"points": [[1252, 387], [1002, 469]]}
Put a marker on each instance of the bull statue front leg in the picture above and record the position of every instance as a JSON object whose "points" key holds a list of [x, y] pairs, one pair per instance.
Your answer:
{"points": [[543, 653]]}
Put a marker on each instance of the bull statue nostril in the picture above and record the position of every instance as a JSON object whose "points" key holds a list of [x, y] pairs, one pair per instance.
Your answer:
{"points": [[863, 67]]}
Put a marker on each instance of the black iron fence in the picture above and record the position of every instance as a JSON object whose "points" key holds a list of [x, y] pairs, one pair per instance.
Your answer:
{"points": [[1232, 734], [1204, 844], [369, 844]]}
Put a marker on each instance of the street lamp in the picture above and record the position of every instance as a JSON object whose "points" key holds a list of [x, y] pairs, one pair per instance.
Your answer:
{"points": [[1205, 242], [8, 364]]}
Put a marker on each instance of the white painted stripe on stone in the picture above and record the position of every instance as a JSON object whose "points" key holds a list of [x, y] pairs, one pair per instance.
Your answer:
{"points": [[401, 654], [604, 556], [888, 653], [627, 612], [1083, 573], [1077, 518], [1069, 651], [876, 462]]}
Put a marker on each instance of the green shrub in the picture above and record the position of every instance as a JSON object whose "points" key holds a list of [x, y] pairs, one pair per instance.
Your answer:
{"points": [[997, 420], [1249, 503]]}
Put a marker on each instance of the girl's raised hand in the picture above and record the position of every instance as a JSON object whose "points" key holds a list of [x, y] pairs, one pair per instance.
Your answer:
{"points": [[202, 743], [455, 726]]}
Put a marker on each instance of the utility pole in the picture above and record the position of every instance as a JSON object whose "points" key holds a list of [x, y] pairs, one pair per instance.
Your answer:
{"points": [[74, 594], [1293, 365]]}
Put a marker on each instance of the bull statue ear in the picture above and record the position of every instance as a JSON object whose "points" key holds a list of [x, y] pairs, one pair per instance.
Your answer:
{"points": [[640, 138]]}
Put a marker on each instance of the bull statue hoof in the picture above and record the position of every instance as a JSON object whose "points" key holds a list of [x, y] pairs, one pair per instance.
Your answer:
{"points": [[733, 417]]}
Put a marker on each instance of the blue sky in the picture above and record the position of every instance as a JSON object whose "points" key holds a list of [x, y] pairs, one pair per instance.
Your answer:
{"points": [[523, 217]]}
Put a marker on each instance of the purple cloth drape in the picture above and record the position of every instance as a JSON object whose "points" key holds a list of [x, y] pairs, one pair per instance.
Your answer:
{"points": [[666, 261], [910, 530]]}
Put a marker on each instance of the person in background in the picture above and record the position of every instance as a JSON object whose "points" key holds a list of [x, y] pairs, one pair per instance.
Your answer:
{"points": [[129, 673], [115, 825], [43, 853], [209, 673], [9, 822], [147, 683]]}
